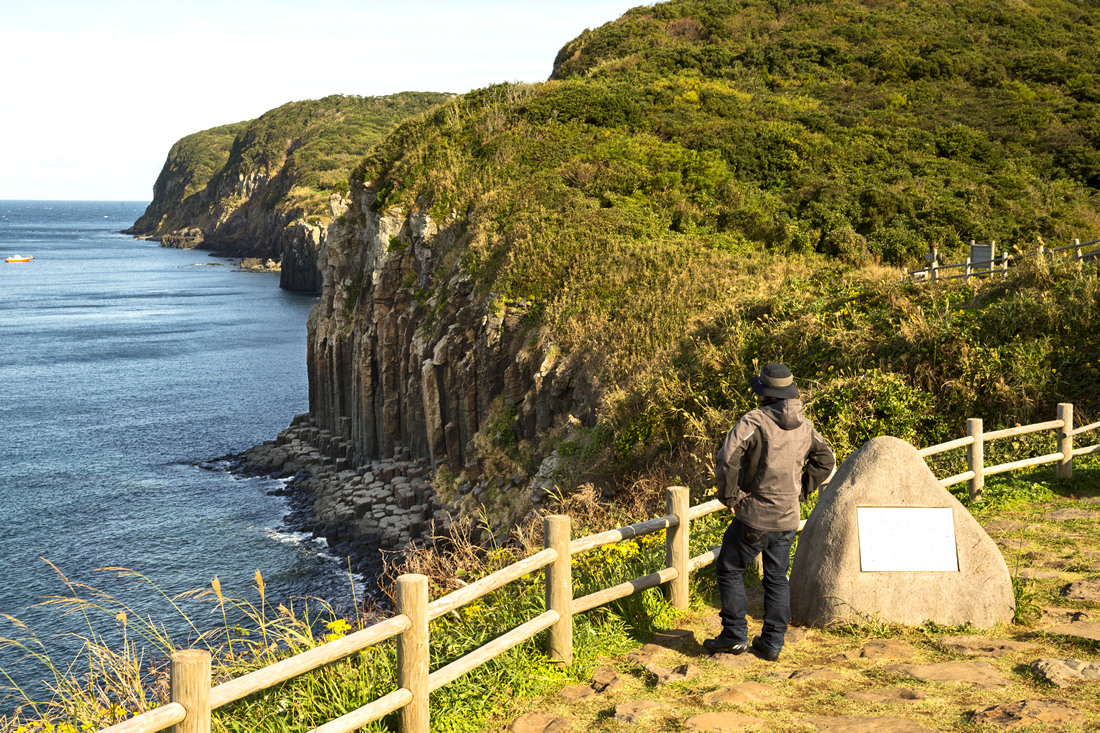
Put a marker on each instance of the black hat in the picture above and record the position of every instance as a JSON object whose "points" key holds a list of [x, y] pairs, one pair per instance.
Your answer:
{"points": [[775, 380]]}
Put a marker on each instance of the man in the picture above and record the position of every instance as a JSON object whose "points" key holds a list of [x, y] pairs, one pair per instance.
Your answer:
{"points": [[770, 460]]}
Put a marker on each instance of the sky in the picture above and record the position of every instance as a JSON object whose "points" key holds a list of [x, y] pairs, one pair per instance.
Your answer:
{"points": [[97, 91]]}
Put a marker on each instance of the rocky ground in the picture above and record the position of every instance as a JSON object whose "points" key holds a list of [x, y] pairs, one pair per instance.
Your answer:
{"points": [[1042, 675], [366, 506], [838, 682]]}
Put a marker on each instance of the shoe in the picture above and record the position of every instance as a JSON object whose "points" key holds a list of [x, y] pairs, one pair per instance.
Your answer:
{"points": [[763, 652], [721, 646]]}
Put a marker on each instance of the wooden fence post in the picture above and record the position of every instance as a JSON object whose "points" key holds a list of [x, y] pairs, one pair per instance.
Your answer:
{"points": [[968, 270], [975, 457], [677, 554], [1065, 441], [559, 590], [412, 652], [1077, 248], [935, 261], [189, 682]]}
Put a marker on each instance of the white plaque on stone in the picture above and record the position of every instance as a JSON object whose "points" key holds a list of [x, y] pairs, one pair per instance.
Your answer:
{"points": [[906, 539]]}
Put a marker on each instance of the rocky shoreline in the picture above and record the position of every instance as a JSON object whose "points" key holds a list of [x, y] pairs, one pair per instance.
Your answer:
{"points": [[367, 507], [361, 508]]}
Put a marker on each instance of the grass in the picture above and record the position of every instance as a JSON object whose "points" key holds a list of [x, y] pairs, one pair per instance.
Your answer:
{"points": [[110, 681], [300, 153]]}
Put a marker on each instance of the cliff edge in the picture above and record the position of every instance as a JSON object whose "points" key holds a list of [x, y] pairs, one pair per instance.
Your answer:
{"points": [[267, 188]]}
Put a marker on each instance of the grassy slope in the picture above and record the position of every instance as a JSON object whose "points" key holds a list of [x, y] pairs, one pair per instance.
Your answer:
{"points": [[696, 169], [309, 147]]}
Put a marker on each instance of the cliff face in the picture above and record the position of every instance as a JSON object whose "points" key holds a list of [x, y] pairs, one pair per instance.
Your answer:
{"points": [[390, 367], [267, 188]]}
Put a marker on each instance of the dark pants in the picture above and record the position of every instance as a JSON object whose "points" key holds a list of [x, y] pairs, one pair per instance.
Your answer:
{"points": [[740, 546]]}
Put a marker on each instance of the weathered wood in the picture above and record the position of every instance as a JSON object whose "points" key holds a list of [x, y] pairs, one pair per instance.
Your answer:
{"points": [[155, 720], [286, 669], [559, 589], [958, 478], [1064, 469], [189, 683], [1022, 430], [975, 457], [1077, 431], [622, 590], [456, 599], [367, 714], [1025, 463], [677, 552], [707, 507], [701, 561], [944, 447], [631, 531], [1087, 450], [412, 652], [493, 649]]}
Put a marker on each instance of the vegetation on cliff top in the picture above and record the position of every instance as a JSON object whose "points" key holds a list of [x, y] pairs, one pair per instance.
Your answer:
{"points": [[307, 148], [694, 169]]}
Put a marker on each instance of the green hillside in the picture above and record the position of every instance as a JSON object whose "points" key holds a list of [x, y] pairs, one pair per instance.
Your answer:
{"points": [[296, 155], [694, 169]]}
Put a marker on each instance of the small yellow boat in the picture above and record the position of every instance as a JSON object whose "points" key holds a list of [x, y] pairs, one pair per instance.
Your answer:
{"points": [[17, 258]]}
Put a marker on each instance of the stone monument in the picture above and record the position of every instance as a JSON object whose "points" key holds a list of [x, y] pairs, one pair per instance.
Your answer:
{"points": [[887, 542]]}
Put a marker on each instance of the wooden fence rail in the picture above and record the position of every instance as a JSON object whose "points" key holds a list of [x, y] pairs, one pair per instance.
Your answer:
{"points": [[192, 697], [995, 265]]}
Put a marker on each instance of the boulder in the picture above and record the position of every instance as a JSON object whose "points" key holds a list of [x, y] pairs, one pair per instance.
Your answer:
{"points": [[828, 584], [1065, 672]]}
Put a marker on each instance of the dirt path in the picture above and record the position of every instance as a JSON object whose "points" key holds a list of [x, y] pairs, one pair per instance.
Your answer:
{"points": [[875, 677]]}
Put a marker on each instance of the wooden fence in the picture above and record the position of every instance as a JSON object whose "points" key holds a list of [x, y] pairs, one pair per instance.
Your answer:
{"points": [[983, 261], [193, 699], [976, 438]]}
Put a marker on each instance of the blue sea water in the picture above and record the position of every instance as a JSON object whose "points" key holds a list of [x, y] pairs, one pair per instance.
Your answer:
{"points": [[123, 366]]}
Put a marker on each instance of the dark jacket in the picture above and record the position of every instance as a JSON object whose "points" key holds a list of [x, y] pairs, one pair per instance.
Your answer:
{"points": [[770, 460]]}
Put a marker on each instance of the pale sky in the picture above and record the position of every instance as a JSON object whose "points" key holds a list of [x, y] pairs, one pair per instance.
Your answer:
{"points": [[97, 91]]}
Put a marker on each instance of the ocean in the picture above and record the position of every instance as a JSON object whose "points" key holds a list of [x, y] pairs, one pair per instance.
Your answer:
{"points": [[125, 369]]}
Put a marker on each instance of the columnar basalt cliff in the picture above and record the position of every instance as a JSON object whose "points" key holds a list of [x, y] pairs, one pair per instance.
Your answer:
{"points": [[405, 351]]}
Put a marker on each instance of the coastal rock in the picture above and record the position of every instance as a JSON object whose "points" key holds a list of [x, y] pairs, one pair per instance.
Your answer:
{"points": [[982, 674], [183, 238], [540, 723], [634, 712], [1084, 590], [1029, 712], [721, 722], [828, 585], [1065, 672], [743, 692], [676, 674]]}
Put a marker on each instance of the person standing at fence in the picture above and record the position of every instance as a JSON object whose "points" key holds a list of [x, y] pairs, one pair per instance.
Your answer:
{"points": [[770, 460]]}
